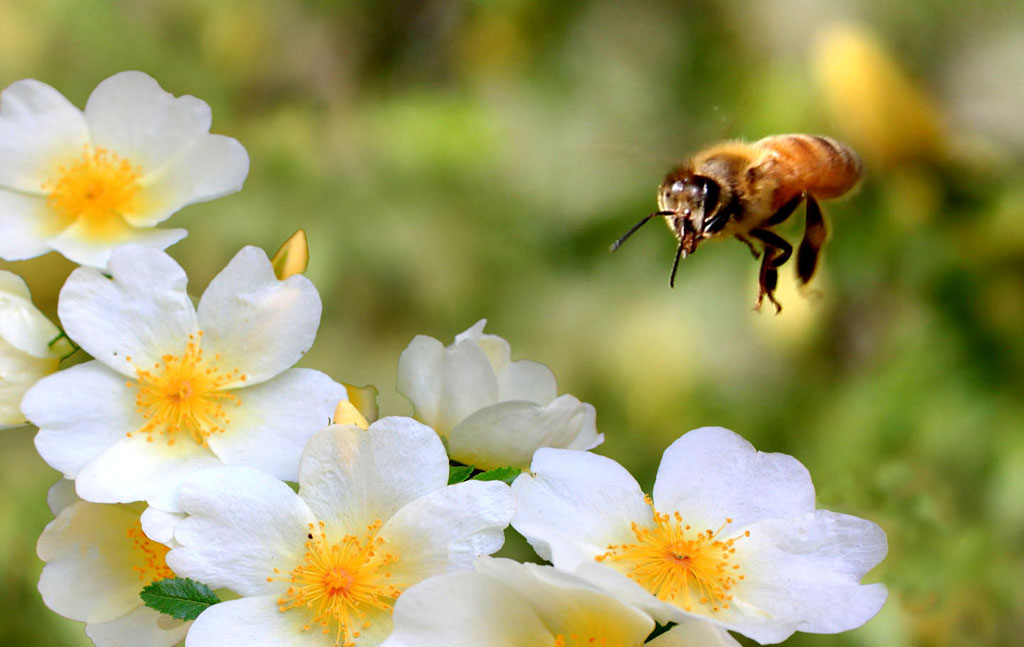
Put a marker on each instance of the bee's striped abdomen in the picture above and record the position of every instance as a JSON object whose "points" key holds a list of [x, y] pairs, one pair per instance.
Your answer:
{"points": [[821, 166]]}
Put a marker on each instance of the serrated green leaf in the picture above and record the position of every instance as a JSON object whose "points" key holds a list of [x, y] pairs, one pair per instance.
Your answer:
{"points": [[179, 598], [459, 473], [506, 474]]}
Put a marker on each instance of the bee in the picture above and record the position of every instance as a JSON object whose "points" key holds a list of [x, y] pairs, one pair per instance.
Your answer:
{"points": [[744, 190]]}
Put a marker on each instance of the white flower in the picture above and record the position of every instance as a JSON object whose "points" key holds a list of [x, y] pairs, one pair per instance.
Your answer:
{"points": [[373, 516], [97, 561], [29, 347], [507, 604], [490, 410], [730, 534], [82, 183], [173, 390]]}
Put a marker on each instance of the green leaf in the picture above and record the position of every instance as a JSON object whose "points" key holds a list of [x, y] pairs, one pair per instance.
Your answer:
{"points": [[183, 599], [506, 474], [459, 473]]}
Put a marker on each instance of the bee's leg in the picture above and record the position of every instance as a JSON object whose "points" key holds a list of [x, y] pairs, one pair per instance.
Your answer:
{"points": [[785, 211], [815, 233], [776, 252], [746, 241]]}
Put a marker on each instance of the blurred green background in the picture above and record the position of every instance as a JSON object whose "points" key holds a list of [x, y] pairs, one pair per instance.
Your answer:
{"points": [[458, 160]]}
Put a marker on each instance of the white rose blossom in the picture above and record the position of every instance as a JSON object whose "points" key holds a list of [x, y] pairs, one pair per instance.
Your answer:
{"points": [[729, 534], [373, 516], [30, 347], [97, 561], [508, 604], [175, 389], [491, 411], [82, 183]]}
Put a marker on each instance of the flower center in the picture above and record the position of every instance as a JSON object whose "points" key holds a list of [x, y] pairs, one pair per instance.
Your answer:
{"points": [[150, 562], [185, 393], [577, 640], [340, 582], [679, 564], [96, 190]]}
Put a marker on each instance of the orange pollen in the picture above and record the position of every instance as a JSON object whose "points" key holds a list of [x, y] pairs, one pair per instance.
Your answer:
{"points": [[97, 189], [186, 393], [340, 582], [151, 556], [577, 640], [679, 564]]}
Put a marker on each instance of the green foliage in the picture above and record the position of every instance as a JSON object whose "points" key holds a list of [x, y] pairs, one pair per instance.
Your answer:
{"points": [[179, 598], [505, 474], [459, 473]]}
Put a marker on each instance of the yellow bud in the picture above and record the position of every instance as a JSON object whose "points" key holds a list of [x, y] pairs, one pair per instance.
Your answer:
{"points": [[364, 399], [293, 257], [347, 414]]}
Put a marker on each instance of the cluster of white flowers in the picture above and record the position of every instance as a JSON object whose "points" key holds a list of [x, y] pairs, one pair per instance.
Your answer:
{"points": [[191, 448]]}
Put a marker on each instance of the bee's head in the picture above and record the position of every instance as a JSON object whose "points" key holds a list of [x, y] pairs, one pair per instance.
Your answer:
{"points": [[689, 203]]}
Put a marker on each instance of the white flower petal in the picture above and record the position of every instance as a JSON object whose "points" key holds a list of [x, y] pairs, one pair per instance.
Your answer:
{"points": [[711, 474], [498, 351], [142, 626], [254, 622], [419, 376], [350, 477], [589, 498], [695, 633], [805, 572], [80, 411], [60, 495], [469, 384], [88, 575], [628, 591], [242, 524], [465, 610], [257, 323], [26, 225], [508, 433], [568, 604], [274, 420], [12, 285], [39, 129], [448, 529], [77, 243], [210, 168], [135, 469], [130, 114], [159, 525], [527, 380], [20, 372], [588, 438], [143, 312], [446, 385], [22, 325]]}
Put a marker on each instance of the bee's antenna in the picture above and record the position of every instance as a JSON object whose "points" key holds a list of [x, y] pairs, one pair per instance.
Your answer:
{"points": [[680, 253], [629, 233]]}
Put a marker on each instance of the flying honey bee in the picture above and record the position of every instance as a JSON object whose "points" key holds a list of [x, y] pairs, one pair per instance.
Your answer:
{"points": [[744, 190]]}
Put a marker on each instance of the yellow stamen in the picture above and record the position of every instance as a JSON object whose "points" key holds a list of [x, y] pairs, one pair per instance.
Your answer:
{"points": [[679, 564], [340, 582], [151, 557], [186, 393], [96, 190]]}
